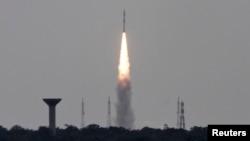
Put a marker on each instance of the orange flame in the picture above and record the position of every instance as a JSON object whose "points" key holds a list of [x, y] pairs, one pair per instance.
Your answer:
{"points": [[124, 64]]}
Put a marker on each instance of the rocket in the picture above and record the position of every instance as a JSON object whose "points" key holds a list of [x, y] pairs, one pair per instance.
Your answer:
{"points": [[124, 20]]}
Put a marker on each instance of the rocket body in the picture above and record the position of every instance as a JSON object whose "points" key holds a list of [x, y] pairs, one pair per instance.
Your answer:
{"points": [[124, 21]]}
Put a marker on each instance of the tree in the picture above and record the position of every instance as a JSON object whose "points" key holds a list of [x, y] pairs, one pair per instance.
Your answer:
{"points": [[3, 133]]}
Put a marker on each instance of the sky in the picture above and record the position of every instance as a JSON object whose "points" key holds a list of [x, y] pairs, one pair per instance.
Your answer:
{"points": [[197, 50]]}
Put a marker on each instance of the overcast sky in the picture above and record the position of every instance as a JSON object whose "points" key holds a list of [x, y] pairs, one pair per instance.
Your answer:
{"points": [[195, 49]]}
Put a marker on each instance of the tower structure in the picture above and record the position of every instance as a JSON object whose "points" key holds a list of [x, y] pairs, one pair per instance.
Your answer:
{"points": [[182, 118], [180, 114], [109, 113], [52, 102], [82, 115]]}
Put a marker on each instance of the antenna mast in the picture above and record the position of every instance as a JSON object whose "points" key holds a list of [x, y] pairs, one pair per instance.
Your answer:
{"points": [[82, 114], [178, 114], [109, 114]]}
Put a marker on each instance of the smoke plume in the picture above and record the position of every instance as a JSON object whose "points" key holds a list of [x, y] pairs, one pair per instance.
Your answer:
{"points": [[124, 112]]}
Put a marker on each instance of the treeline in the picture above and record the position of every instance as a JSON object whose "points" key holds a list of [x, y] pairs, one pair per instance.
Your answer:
{"points": [[94, 132]]}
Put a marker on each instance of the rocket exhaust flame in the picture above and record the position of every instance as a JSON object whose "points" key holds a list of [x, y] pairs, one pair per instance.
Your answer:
{"points": [[124, 112], [124, 64]]}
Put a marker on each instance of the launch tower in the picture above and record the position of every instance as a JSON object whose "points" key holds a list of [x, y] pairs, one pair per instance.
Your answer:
{"points": [[180, 115]]}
